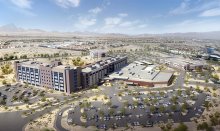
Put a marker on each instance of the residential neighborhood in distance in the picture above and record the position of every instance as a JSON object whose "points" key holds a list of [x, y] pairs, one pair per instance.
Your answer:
{"points": [[128, 65]]}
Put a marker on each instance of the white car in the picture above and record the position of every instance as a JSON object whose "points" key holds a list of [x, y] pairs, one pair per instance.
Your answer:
{"points": [[60, 114], [70, 120]]}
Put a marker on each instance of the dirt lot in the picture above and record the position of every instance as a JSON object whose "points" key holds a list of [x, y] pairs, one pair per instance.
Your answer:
{"points": [[30, 51]]}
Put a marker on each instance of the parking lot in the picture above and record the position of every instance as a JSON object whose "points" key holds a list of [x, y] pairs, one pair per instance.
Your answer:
{"points": [[127, 106], [21, 94], [18, 94]]}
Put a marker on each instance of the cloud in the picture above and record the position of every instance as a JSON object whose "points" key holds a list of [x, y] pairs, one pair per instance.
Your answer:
{"points": [[95, 10], [192, 6], [112, 21], [142, 26], [26, 4], [121, 24], [24, 7], [182, 9], [123, 14], [126, 24], [211, 12], [87, 22], [68, 3], [84, 23], [129, 24]]}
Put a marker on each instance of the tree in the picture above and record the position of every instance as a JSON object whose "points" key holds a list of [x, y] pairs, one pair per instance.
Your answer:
{"points": [[135, 103], [206, 80], [77, 62], [123, 111], [214, 94], [181, 127], [215, 76], [23, 57], [173, 107], [6, 69], [198, 89], [84, 115], [206, 89], [109, 103], [6, 57], [14, 98], [111, 111], [162, 93], [43, 99], [179, 92], [207, 105], [202, 126], [4, 82], [174, 99], [152, 108], [2, 102], [42, 94], [184, 106], [25, 100], [162, 109], [146, 101], [11, 57], [56, 55], [188, 92], [101, 113]]}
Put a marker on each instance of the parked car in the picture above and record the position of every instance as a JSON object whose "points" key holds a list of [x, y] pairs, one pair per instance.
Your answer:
{"points": [[60, 114]]}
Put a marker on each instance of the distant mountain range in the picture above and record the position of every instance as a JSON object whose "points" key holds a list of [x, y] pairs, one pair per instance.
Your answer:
{"points": [[12, 30], [215, 35]]}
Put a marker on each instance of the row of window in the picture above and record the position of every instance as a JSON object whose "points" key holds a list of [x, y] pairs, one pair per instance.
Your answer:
{"points": [[27, 69]]}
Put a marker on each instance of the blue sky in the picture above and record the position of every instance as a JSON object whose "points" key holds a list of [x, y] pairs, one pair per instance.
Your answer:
{"points": [[113, 16]]}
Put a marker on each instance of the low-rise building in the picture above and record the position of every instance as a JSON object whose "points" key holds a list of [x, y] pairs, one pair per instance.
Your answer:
{"points": [[143, 75], [182, 63]]}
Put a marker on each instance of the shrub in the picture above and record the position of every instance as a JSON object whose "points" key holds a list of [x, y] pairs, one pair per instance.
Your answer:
{"points": [[4, 82]]}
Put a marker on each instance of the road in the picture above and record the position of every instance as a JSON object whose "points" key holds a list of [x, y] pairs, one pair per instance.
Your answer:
{"points": [[57, 123]]}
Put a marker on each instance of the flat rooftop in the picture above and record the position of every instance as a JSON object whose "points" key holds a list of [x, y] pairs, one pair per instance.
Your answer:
{"points": [[100, 64], [61, 68], [33, 64], [36, 64], [138, 72]]}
